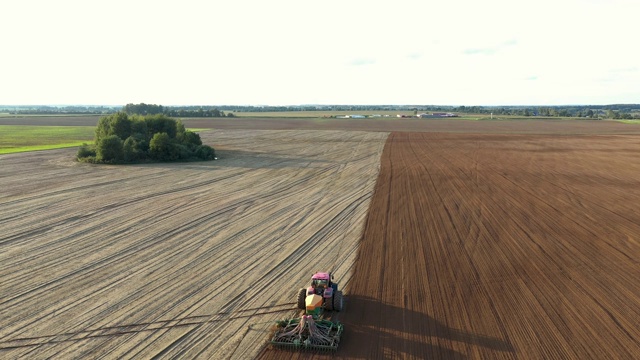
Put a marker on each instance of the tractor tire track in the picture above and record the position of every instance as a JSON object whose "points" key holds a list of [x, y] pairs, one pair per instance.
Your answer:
{"points": [[174, 260]]}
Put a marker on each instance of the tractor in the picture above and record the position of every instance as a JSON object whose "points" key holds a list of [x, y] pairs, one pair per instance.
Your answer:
{"points": [[321, 284], [311, 331]]}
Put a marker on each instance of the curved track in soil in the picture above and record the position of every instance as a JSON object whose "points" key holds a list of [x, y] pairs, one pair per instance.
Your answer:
{"points": [[498, 246], [190, 260]]}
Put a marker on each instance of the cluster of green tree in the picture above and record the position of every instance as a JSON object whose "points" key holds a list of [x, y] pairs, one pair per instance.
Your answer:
{"points": [[120, 138], [58, 110], [143, 109], [613, 114], [178, 111]]}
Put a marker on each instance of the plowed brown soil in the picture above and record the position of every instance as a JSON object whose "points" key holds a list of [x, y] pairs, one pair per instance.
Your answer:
{"points": [[498, 246]]}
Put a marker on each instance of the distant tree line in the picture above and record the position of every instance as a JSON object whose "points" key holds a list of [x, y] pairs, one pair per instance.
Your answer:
{"points": [[594, 112], [131, 109], [613, 111], [58, 110], [177, 111], [120, 138]]}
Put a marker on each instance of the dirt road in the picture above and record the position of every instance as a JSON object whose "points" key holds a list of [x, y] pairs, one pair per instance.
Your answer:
{"points": [[192, 260], [498, 246]]}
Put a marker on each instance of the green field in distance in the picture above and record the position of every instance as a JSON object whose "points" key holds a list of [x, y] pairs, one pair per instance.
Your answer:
{"points": [[22, 138], [14, 138]]}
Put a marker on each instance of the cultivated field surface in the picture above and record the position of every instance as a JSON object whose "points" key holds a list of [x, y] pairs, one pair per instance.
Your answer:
{"points": [[189, 260], [483, 240], [498, 246]]}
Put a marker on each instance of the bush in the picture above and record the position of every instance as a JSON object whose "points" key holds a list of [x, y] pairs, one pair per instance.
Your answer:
{"points": [[132, 150], [160, 147], [182, 152], [191, 138], [109, 149], [205, 152], [120, 125], [102, 129], [161, 124], [86, 151]]}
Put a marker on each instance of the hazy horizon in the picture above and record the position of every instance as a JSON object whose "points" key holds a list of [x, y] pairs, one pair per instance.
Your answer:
{"points": [[460, 52], [4, 106]]}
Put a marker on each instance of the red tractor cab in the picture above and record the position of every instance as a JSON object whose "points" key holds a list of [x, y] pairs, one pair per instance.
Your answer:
{"points": [[322, 284]]}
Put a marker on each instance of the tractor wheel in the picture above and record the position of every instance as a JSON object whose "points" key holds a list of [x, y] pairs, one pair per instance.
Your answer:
{"points": [[328, 304], [337, 301], [302, 295]]}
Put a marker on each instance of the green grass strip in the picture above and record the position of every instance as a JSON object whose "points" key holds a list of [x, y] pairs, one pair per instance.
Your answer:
{"points": [[38, 147], [21, 138]]}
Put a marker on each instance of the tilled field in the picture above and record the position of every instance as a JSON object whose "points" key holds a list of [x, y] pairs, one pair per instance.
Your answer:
{"points": [[475, 246], [190, 260], [498, 246]]}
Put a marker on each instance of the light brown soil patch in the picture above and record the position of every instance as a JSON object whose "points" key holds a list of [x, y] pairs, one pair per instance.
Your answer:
{"points": [[187, 260]]}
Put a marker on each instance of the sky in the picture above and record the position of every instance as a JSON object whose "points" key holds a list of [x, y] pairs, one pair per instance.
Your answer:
{"points": [[282, 52]]}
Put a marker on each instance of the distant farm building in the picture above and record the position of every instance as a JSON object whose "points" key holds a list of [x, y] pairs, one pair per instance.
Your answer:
{"points": [[351, 117], [436, 115]]}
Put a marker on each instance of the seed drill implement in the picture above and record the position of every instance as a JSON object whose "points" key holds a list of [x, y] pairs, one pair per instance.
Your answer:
{"points": [[311, 331]]}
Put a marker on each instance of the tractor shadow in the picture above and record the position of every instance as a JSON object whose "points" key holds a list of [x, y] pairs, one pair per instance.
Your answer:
{"points": [[242, 159], [373, 330], [377, 330], [257, 160]]}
